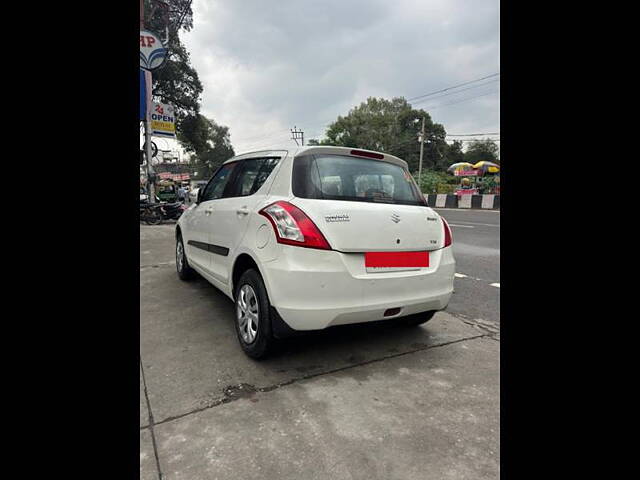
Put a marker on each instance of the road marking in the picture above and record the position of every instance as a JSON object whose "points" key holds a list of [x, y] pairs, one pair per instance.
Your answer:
{"points": [[462, 275], [463, 226]]}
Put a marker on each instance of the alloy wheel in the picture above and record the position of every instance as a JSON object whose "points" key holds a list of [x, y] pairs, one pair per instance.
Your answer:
{"points": [[180, 255], [247, 313]]}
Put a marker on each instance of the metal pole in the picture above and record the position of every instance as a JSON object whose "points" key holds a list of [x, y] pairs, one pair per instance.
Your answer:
{"points": [[147, 131], [150, 186], [421, 151]]}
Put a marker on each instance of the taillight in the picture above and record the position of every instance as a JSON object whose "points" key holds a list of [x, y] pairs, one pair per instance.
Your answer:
{"points": [[362, 153], [448, 238], [293, 227]]}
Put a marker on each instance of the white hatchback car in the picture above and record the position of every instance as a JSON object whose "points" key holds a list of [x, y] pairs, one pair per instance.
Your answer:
{"points": [[314, 237]]}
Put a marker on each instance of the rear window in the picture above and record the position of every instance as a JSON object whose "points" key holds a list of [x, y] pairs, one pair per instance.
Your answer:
{"points": [[340, 177]]}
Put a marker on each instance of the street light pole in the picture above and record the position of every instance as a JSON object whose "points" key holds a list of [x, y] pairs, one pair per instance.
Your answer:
{"points": [[421, 152]]}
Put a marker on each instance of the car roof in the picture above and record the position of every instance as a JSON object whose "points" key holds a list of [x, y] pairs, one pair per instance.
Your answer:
{"points": [[328, 149]]}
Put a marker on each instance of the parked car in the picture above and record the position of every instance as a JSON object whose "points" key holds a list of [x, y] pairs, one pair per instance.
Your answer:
{"points": [[314, 237]]}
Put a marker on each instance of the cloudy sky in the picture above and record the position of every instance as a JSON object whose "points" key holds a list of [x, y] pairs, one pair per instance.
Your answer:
{"points": [[269, 65]]}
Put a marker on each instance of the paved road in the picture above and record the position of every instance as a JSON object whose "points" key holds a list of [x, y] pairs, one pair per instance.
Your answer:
{"points": [[476, 247], [361, 402]]}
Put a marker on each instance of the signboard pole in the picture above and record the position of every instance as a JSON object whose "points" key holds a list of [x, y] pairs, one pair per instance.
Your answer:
{"points": [[152, 56], [150, 186], [147, 130]]}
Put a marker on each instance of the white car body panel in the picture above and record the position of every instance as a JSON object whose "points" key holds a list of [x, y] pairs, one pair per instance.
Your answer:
{"points": [[311, 288]]}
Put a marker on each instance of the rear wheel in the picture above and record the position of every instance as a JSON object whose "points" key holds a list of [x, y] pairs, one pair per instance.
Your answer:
{"points": [[417, 319], [253, 321], [185, 272], [153, 216]]}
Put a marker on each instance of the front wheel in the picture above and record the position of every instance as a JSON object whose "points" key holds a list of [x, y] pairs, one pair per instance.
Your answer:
{"points": [[253, 320]]}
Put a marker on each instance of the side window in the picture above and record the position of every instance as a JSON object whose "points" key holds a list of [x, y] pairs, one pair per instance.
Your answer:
{"points": [[254, 172], [216, 186]]}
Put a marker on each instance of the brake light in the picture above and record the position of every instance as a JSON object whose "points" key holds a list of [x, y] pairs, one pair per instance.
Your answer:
{"points": [[362, 153], [293, 227], [448, 237]]}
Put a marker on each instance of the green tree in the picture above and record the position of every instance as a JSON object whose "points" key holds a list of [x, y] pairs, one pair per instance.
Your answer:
{"points": [[177, 81], [454, 153], [479, 150], [390, 126], [209, 143]]}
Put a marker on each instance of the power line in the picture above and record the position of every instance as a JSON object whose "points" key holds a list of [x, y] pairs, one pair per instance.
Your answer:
{"points": [[456, 92], [479, 139], [417, 142], [470, 134], [455, 86], [464, 100], [269, 135], [423, 97], [183, 14]]}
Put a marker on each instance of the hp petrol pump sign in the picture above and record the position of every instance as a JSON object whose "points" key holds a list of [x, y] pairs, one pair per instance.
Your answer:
{"points": [[152, 51]]}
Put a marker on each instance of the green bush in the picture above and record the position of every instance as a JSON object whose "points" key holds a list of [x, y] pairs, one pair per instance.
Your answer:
{"points": [[488, 184], [445, 188], [436, 182]]}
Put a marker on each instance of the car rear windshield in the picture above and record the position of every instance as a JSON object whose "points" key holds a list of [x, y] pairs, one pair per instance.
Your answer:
{"points": [[340, 177]]}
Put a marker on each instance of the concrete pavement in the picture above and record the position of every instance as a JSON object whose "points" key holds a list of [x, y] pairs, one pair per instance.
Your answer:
{"points": [[374, 401]]}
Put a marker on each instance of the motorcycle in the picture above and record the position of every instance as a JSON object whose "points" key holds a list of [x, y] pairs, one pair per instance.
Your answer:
{"points": [[155, 213]]}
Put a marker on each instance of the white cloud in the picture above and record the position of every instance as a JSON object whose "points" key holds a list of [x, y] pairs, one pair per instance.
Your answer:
{"points": [[267, 66]]}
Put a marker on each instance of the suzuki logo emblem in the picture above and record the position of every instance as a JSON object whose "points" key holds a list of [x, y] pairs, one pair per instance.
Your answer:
{"points": [[395, 217]]}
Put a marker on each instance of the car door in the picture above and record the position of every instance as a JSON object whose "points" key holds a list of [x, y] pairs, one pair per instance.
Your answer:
{"points": [[230, 217], [198, 224]]}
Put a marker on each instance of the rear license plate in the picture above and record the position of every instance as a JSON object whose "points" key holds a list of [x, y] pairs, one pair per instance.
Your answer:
{"points": [[395, 261]]}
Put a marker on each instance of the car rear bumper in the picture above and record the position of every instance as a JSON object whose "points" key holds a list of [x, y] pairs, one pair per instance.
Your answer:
{"points": [[315, 289]]}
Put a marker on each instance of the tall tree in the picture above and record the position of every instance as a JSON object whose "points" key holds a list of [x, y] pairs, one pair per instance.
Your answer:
{"points": [[454, 153], [390, 126], [210, 144], [177, 81], [480, 150]]}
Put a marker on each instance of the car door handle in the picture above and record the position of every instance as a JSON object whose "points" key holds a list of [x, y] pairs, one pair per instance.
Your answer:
{"points": [[243, 211]]}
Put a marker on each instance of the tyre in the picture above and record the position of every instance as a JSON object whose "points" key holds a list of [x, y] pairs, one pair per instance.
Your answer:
{"points": [[153, 216], [185, 272], [253, 320], [417, 319]]}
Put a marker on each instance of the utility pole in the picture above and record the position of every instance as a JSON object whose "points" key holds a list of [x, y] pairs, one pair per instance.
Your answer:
{"points": [[147, 130], [421, 152], [297, 134]]}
